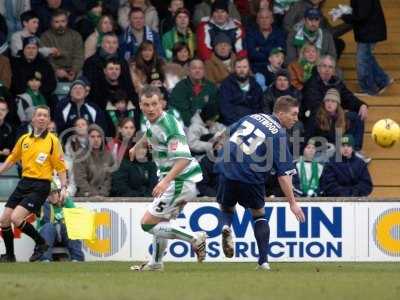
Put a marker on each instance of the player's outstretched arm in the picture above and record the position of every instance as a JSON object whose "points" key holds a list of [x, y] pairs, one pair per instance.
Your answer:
{"points": [[286, 185], [179, 166]]}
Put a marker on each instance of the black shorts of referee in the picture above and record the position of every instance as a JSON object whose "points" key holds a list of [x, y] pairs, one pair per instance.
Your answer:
{"points": [[30, 193]]}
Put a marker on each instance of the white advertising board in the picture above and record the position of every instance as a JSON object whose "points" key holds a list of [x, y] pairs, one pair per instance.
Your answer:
{"points": [[333, 231]]}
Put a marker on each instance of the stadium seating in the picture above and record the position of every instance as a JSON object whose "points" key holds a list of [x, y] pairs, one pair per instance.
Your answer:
{"points": [[383, 167]]}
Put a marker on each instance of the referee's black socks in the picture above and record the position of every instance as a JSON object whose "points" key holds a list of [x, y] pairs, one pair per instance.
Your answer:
{"points": [[8, 237], [29, 230]]}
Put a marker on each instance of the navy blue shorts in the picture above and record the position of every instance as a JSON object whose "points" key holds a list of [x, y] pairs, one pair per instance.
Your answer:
{"points": [[231, 192]]}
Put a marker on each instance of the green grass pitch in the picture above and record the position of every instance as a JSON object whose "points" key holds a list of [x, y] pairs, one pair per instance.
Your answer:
{"points": [[216, 281]]}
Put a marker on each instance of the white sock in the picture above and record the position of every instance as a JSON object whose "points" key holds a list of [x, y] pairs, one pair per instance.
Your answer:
{"points": [[167, 231], [159, 246]]}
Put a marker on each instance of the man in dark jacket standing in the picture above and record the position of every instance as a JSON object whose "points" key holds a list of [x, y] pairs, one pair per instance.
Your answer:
{"points": [[346, 178], [239, 95], [369, 28]]}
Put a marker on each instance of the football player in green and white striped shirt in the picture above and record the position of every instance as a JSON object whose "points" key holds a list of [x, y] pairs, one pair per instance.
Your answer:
{"points": [[178, 171]]}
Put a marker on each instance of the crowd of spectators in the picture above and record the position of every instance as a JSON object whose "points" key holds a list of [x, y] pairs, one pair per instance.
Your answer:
{"points": [[215, 61]]}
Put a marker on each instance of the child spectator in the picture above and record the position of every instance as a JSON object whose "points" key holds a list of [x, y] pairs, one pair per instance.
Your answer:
{"points": [[181, 32], [309, 172], [27, 101], [120, 107], [276, 59], [94, 40], [302, 69], [52, 226], [30, 22]]}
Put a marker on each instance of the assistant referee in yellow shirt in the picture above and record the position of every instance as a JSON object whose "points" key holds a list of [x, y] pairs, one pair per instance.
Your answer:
{"points": [[40, 154]]}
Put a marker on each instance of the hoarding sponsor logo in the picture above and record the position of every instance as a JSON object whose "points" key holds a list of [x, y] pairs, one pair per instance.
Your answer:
{"points": [[387, 232], [111, 233]]}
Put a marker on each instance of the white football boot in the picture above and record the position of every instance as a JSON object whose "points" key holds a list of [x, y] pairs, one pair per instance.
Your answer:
{"points": [[227, 241], [147, 267], [199, 246], [264, 267]]}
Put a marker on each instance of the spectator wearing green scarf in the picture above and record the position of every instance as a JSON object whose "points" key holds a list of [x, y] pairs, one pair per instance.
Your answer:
{"points": [[301, 70], [306, 182], [32, 97]]}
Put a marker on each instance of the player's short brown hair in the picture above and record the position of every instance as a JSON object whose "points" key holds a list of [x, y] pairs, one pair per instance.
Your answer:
{"points": [[284, 103], [149, 91]]}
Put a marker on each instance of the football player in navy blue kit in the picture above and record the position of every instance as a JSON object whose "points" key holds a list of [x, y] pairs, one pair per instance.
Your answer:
{"points": [[257, 143]]}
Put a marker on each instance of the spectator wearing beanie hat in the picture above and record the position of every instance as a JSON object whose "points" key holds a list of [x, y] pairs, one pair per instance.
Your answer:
{"points": [[76, 105], [30, 62], [202, 11], [219, 22], [221, 63], [181, 32], [331, 120], [267, 76], [347, 177], [310, 31]]}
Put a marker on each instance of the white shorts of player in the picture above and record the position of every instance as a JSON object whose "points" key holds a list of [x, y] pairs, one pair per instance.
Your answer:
{"points": [[172, 201]]}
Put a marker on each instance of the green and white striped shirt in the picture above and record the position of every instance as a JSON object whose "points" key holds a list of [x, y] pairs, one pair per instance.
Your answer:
{"points": [[168, 142]]}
